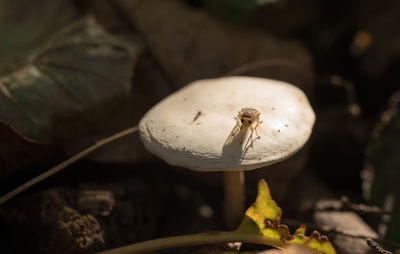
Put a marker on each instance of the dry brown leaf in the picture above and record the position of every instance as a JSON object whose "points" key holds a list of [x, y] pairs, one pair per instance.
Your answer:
{"points": [[191, 44]]}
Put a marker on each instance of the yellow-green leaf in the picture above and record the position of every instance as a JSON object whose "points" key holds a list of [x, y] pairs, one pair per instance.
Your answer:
{"points": [[298, 239], [301, 230], [265, 208], [320, 243], [263, 218]]}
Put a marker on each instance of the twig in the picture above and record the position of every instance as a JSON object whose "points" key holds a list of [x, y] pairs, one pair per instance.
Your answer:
{"points": [[66, 163], [194, 240], [346, 205], [374, 245], [353, 105], [272, 62]]}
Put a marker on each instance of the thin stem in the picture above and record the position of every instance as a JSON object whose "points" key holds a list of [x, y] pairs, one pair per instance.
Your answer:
{"points": [[66, 163], [234, 198], [194, 240]]}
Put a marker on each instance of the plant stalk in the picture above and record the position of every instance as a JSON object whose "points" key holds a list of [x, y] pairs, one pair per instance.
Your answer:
{"points": [[66, 163], [217, 237]]}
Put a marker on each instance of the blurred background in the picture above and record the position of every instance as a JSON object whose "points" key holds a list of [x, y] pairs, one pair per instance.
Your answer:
{"points": [[74, 72]]}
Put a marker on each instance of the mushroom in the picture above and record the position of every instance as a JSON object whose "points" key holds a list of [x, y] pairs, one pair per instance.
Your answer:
{"points": [[229, 124]]}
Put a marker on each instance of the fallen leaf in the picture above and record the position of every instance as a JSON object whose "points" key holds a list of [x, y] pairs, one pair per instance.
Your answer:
{"points": [[264, 217], [25, 25], [81, 69], [191, 44], [265, 208]]}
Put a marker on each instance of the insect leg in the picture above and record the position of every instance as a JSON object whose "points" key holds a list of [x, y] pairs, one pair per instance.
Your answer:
{"points": [[255, 128]]}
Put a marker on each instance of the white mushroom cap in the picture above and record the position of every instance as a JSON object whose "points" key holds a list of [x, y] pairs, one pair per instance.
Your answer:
{"points": [[190, 127]]}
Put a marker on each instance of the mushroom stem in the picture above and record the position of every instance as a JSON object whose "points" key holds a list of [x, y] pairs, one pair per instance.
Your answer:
{"points": [[234, 198]]}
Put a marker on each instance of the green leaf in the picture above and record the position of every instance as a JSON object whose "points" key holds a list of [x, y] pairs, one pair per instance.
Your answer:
{"points": [[80, 69], [264, 217]]}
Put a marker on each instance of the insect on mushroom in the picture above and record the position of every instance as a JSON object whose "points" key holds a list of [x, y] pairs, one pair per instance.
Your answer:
{"points": [[248, 119], [202, 149]]}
